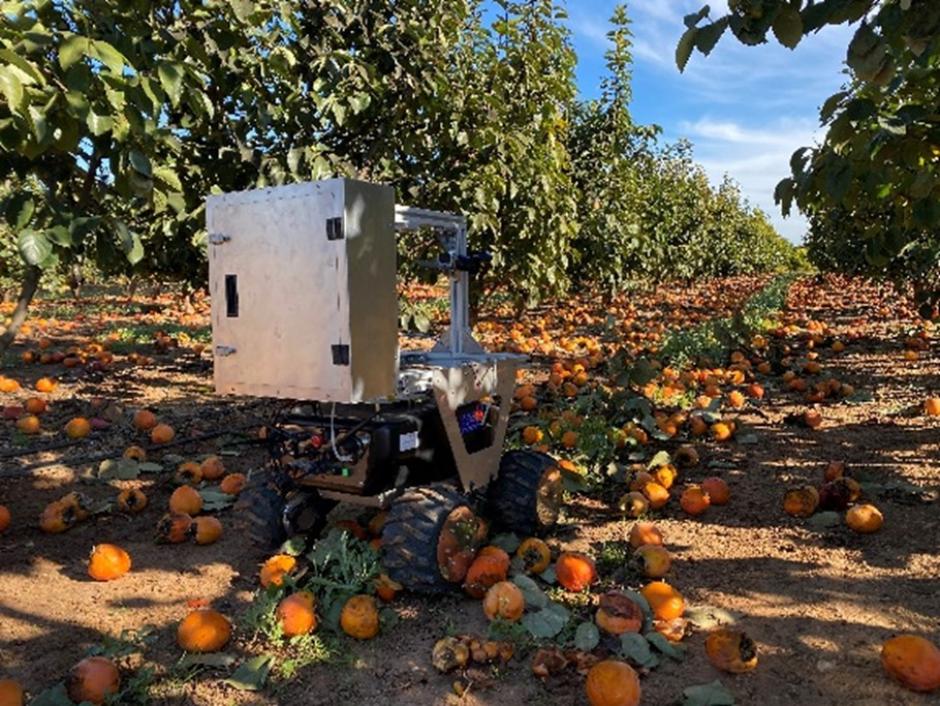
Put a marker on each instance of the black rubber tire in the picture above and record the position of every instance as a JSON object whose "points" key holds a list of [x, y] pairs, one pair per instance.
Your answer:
{"points": [[263, 505], [410, 536], [513, 494], [263, 508]]}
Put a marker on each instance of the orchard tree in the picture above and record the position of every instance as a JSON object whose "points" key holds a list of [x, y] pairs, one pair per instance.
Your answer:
{"points": [[512, 87], [118, 118], [875, 180], [95, 100], [605, 146]]}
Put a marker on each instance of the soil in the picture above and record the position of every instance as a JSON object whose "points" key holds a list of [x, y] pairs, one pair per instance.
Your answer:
{"points": [[818, 601]]}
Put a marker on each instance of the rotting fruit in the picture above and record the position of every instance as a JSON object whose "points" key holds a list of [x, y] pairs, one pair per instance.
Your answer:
{"points": [[78, 428], [233, 483], [61, 514], [656, 494], [206, 529], [204, 630], [653, 560], [694, 500], [108, 562], [864, 519], [386, 588], [93, 679], [618, 614], [174, 527], [212, 468], [718, 491], [633, 504], [276, 568], [535, 555], [296, 614], [731, 651], [459, 541], [188, 473], [186, 500], [162, 434], [131, 500], [643, 533], [664, 600], [801, 501], [135, 453], [489, 568], [613, 683], [575, 571], [145, 420], [912, 661], [360, 617], [11, 693], [504, 600]]}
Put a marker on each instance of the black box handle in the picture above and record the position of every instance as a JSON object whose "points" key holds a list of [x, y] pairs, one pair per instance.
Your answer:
{"points": [[231, 296]]}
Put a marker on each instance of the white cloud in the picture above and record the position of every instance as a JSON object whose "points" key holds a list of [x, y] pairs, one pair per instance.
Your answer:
{"points": [[746, 109], [755, 158]]}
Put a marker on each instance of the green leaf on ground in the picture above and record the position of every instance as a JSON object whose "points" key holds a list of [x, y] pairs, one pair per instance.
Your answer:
{"points": [[219, 660], [214, 499], [714, 694], [635, 648], [53, 696], [251, 675], [825, 519], [663, 645], [118, 469], [507, 541], [706, 617], [534, 596], [586, 637], [548, 622]]}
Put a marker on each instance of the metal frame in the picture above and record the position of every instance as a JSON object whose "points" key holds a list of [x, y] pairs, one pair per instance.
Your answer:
{"points": [[452, 233], [458, 368]]}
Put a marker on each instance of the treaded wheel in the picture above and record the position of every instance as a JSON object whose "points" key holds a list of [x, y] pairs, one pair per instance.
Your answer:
{"points": [[266, 510], [411, 534], [526, 496], [263, 507]]}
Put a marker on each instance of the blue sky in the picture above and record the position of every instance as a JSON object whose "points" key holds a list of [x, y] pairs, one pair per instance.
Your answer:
{"points": [[746, 109]]}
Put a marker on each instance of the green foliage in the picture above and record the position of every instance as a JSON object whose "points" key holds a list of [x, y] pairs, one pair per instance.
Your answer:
{"points": [[341, 565], [872, 188], [605, 145], [714, 340], [694, 230], [113, 132], [510, 89], [420, 314]]}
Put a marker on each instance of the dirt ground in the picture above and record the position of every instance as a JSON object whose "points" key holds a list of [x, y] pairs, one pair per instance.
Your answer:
{"points": [[819, 601]]}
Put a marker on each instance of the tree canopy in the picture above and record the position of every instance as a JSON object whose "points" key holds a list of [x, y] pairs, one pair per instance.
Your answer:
{"points": [[117, 118], [872, 188]]}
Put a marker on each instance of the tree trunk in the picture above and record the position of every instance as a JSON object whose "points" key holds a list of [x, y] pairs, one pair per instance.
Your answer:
{"points": [[28, 290], [76, 279]]}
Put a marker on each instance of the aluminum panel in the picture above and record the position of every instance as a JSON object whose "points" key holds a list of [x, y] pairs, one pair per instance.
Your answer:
{"points": [[295, 334]]}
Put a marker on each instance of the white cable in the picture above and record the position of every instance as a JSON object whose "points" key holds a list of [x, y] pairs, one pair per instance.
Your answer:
{"points": [[336, 453]]}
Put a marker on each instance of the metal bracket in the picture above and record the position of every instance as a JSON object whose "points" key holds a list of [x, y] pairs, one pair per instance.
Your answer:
{"points": [[219, 238], [224, 351]]}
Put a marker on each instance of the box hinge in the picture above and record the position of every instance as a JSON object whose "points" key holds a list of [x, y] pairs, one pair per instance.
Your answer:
{"points": [[341, 354], [334, 229], [219, 238], [224, 351]]}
